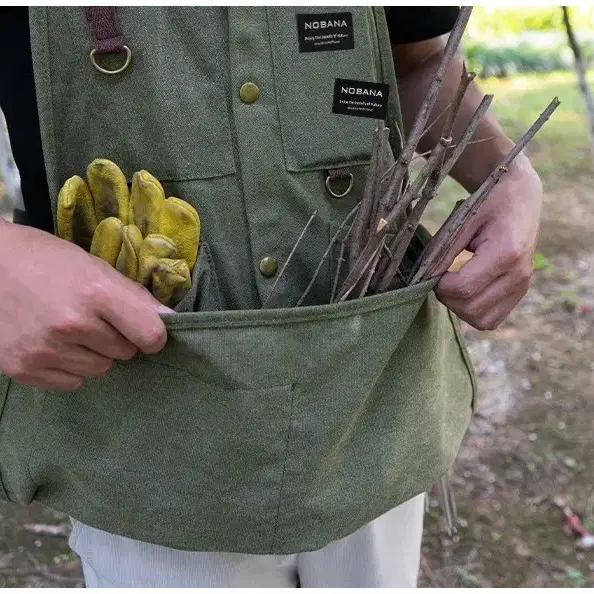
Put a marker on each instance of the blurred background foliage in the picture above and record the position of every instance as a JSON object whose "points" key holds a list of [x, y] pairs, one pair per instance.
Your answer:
{"points": [[504, 41]]}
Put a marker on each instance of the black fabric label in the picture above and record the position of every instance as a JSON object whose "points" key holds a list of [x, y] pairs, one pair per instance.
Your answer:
{"points": [[325, 32], [360, 98]]}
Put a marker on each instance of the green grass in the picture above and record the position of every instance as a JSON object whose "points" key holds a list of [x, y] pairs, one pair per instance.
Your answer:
{"points": [[560, 151]]}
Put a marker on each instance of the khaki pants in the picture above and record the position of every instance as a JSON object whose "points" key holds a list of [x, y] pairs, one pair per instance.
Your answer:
{"points": [[385, 553]]}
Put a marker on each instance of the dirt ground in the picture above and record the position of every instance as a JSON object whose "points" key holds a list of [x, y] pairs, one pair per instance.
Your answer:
{"points": [[531, 439]]}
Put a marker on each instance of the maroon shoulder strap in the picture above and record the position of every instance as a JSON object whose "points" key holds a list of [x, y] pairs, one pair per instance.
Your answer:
{"points": [[105, 28]]}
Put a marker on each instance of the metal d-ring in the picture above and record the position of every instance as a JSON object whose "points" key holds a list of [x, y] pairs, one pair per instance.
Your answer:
{"points": [[117, 70], [333, 193]]}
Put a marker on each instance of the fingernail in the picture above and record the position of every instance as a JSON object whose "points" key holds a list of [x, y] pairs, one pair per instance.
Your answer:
{"points": [[163, 309]]}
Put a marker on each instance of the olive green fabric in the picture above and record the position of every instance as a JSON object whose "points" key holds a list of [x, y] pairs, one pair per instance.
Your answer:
{"points": [[254, 430]]}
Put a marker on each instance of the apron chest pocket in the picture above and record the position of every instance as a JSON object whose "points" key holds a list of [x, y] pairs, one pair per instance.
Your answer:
{"points": [[157, 121], [313, 137]]}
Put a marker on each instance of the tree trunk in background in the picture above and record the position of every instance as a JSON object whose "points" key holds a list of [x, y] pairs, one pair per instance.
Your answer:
{"points": [[581, 72]]}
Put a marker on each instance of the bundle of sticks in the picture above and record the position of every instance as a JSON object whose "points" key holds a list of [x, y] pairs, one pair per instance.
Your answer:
{"points": [[387, 217], [379, 230]]}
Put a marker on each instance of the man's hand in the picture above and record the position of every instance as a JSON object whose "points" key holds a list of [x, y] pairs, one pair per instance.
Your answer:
{"points": [[66, 315], [503, 238]]}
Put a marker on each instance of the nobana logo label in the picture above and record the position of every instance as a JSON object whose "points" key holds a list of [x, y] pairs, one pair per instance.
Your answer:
{"points": [[360, 98], [325, 24], [362, 91], [325, 32]]}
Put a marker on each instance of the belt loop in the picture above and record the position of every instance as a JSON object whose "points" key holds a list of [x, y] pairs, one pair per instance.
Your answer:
{"points": [[107, 35]]}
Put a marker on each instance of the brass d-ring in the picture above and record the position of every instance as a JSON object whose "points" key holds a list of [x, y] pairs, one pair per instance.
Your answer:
{"points": [[117, 70], [333, 193]]}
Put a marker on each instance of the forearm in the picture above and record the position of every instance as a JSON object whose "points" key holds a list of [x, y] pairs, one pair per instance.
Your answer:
{"points": [[479, 158]]}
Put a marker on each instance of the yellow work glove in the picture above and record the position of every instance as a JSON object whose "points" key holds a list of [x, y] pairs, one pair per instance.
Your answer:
{"points": [[151, 239]]}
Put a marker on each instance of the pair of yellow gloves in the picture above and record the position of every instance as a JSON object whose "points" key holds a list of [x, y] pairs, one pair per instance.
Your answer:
{"points": [[149, 238]]}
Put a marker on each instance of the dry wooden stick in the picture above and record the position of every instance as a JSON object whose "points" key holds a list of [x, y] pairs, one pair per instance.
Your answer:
{"points": [[371, 272], [360, 229], [453, 146], [280, 274], [465, 139], [425, 110], [325, 255], [465, 79], [438, 247], [448, 127], [429, 126], [386, 163], [344, 294], [417, 185], [366, 257]]}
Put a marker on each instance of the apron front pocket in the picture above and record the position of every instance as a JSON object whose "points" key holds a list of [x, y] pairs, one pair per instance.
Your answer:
{"points": [[256, 431], [159, 453]]}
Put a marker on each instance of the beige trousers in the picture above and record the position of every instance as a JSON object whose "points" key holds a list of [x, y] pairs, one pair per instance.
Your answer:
{"points": [[384, 553]]}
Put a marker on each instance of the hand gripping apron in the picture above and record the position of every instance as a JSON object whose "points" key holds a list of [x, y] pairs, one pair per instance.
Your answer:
{"points": [[254, 430]]}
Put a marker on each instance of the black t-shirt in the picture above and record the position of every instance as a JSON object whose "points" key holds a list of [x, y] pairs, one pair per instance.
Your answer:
{"points": [[407, 24]]}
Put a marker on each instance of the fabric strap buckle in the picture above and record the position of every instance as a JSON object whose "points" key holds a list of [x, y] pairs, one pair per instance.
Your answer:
{"points": [[107, 36], [334, 175]]}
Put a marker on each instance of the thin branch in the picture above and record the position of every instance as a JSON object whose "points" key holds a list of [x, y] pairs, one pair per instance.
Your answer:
{"points": [[428, 128], [367, 202], [465, 138], [344, 294], [580, 68], [326, 253], [465, 79], [439, 245], [370, 273], [402, 240], [340, 261], [414, 189], [453, 146], [280, 274]]}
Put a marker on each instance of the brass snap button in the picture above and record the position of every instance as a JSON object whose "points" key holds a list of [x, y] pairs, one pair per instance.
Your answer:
{"points": [[268, 266], [249, 92]]}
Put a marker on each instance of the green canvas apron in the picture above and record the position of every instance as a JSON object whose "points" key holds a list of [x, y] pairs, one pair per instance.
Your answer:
{"points": [[254, 430]]}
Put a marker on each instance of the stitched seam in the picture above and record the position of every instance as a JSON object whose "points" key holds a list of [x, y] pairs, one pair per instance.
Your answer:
{"points": [[4, 400], [294, 315], [282, 481], [275, 90], [38, 423], [466, 359], [192, 178]]}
